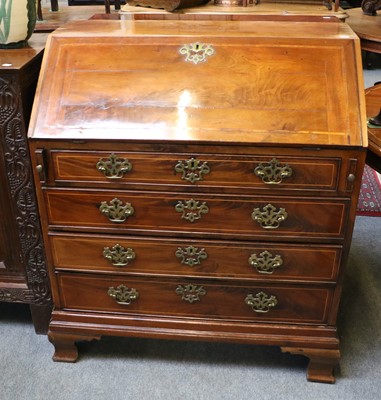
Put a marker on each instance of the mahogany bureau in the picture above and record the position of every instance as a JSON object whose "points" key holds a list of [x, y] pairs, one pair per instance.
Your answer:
{"points": [[198, 180]]}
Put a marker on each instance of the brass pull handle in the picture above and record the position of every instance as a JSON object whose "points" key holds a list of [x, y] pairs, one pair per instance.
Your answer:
{"points": [[261, 302], [269, 217], [118, 255], [196, 52], [273, 173], [265, 262], [191, 255], [191, 210], [192, 170], [116, 211], [190, 293], [114, 167], [123, 295]]}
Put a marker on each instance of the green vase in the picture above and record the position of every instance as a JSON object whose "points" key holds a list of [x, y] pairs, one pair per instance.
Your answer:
{"points": [[17, 22]]}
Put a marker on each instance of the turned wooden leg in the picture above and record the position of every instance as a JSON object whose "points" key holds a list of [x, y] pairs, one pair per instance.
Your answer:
{"points": [[65, 347], [321, 365]]}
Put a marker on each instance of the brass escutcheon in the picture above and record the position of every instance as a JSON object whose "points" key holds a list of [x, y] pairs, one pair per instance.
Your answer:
{"points": [[192, 170], [116, 211], [261, 302], [118, 255], [265, 262], [273, 172], [191, 210], [190, 293], [123, 295], [196, 52], [191, 255], [269, 217], [113, 167]]}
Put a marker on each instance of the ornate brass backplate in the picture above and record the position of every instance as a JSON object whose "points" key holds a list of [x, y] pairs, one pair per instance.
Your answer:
{"points": [[261, 302], [118, 255], [269, 217], [273, 172], [265, 262], [196, 52], [191, 255], [190, 293], [192, 170], [116, 211], [123, 295], [114, 167], [191, 210]]}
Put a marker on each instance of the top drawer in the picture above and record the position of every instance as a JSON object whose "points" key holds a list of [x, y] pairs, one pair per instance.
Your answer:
{"points": [[197, 170]]}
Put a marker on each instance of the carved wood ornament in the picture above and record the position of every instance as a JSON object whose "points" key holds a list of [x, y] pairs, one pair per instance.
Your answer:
{"points": [[19, 178]]}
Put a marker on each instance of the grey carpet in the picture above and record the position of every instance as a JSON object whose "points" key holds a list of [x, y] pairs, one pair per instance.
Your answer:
{"points": [[125, 368]]}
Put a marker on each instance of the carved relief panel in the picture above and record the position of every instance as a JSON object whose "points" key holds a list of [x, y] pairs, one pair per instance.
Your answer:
{"points": [[21, 251]]}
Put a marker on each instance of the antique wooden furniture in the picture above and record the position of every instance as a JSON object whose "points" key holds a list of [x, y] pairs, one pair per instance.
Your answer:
{"points": [[169, 5], [201, 185], [23, 275], [373, 109], [262, 10], [367, 27], [53, 20]]}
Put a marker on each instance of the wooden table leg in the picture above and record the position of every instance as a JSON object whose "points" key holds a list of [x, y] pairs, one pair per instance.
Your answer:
{"points": [[41, 317], [54, 5], [39, 11], [107, 7]]}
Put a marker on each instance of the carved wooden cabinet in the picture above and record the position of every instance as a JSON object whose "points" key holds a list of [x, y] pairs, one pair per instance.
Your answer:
{"points": [[23, 275], [198, 180]]}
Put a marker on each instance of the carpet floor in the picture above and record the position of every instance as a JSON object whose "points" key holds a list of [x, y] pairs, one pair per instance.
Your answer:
{"points": [[369, 203]]}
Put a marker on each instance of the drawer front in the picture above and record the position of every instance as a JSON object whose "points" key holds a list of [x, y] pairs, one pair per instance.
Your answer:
{"points": [[195, 300], [171, 257], [158, 213], [197, 170]]}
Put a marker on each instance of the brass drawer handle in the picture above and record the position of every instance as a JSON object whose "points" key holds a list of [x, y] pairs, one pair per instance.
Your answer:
{"points": [[190, 293], [123, 295], [261, 302], [191, 255], [116, 211], [273, 173], [113, 167], [269, 217], [196, 52], [265, 262], [191, 210], [192, 170], [118, 255]]}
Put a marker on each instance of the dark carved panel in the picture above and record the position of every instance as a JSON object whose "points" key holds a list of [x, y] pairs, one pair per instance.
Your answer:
{"points": [[23, 200]]}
